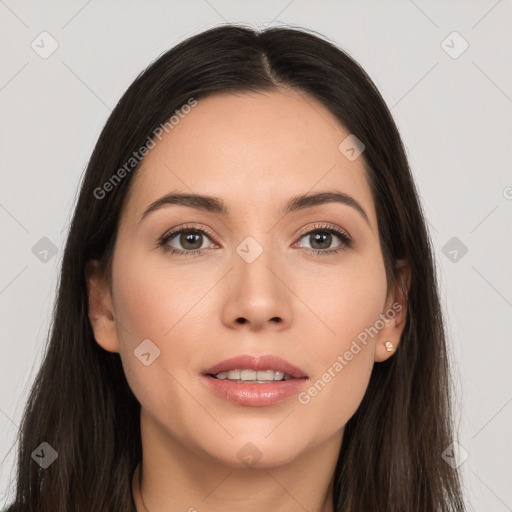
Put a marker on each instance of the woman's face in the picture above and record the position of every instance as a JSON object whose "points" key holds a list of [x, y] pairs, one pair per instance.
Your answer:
{"points": [[257, 288]]}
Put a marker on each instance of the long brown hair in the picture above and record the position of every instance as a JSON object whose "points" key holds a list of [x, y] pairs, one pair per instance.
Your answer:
{"points": [[81, 404]]}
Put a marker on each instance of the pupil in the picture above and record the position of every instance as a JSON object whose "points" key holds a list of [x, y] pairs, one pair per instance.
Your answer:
{"points": [[323, 237], [188, 237]]}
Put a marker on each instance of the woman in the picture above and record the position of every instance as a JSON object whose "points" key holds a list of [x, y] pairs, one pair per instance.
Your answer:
{"points": [[248, 315]]}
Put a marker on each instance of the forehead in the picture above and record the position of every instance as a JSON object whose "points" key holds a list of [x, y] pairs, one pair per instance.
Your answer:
{"points": [[252, 150]]}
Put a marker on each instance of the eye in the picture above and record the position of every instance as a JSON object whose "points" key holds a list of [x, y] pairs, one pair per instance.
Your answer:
{"points": [[189, 237], [192, 240], [321, 238]]}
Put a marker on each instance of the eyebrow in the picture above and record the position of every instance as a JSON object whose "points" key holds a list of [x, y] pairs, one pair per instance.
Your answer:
{"points": [[218, 206]]}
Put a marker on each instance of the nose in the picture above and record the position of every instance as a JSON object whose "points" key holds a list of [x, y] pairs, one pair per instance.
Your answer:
{"points": [[257, 295]]}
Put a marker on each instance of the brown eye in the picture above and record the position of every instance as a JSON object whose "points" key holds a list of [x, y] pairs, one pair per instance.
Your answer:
{"points": [[187, 241], [191, 240], [321, 239]]}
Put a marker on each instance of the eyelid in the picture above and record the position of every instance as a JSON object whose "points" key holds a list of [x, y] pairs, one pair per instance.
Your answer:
{"points": [[197, 227], [303, 231], [344, 237], [324, 225]]}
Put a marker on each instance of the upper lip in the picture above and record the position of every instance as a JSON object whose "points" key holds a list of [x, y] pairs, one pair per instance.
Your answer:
{"points": [[251, 362]]}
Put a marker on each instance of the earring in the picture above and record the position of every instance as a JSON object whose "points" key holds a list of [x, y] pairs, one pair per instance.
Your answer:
{"points": [[389, 346]]}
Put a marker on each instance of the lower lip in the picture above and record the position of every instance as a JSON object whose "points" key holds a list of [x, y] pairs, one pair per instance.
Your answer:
{"points": [[254, 395]]}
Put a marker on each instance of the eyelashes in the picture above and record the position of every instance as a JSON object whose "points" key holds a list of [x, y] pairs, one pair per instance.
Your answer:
{"points": [[185, 230], [189, 234]]}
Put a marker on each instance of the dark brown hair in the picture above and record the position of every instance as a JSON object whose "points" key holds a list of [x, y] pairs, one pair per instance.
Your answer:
{"points": [[80, 402]]}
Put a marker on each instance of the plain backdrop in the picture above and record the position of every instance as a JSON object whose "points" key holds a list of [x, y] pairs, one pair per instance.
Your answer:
{"points": [[444, 69]]}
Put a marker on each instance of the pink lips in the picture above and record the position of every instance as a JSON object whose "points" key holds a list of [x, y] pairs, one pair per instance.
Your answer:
{"points": [[248, 362], [256, 394]]}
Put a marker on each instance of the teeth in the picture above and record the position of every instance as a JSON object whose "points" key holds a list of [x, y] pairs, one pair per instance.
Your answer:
{"points": [[252, 376], [247, 375], [266, 375]]}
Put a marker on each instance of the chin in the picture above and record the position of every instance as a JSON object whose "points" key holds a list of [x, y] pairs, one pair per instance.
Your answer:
{"points": [[252, 451]]}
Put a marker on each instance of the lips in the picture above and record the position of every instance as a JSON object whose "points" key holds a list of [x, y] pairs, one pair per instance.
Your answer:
{"points": [[254, 393], [256, 363]]}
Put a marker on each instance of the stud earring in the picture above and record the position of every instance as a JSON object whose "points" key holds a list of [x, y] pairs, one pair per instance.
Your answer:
{"points": [[389, 346]]}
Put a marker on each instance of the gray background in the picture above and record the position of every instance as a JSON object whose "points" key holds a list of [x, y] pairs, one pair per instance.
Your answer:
{"points": [[453, 110]]}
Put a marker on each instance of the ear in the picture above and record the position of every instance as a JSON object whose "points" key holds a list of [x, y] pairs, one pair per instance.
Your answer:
{"points": [[394, 314], [101, 309]]}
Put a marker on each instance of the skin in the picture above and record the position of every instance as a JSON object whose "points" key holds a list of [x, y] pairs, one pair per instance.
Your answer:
{"points": [[254, 151]]}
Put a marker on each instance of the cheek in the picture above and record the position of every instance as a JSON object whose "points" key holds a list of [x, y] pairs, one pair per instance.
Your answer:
{"points": [[150, 300], [344, 363], [349, 304], [152, 303], [335, 393], [343, 300]]}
